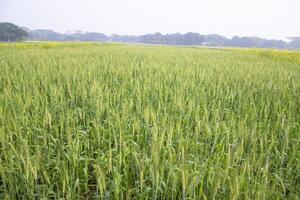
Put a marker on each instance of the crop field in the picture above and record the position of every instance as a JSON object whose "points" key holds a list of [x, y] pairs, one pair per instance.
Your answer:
{"points": [[115, 121]]}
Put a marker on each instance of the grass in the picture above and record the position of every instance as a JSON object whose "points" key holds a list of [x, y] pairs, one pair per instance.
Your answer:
{"points": [[111, 121]]}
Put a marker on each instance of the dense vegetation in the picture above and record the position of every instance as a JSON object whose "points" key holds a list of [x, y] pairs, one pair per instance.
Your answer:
{"points": [[88, 121], [167, 39], [10, 32], [157, 38]]}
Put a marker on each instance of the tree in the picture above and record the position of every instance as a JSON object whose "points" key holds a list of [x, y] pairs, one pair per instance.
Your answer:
{"points": [[10, 32], [294, 43]]}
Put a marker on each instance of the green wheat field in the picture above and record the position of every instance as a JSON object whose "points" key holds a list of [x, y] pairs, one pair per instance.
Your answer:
{"points": [[116, 121]]}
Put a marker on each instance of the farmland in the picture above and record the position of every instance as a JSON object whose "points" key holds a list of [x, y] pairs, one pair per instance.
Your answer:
{"points": [[114, 121]]}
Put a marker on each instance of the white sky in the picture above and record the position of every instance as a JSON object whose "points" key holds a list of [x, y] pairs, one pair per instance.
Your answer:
{"points": [[265, 18]]}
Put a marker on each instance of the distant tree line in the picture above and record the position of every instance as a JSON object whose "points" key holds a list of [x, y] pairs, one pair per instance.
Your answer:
{"points": [[11, 32]]}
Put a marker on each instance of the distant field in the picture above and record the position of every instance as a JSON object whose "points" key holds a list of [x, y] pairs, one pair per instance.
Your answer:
{"points": [[112, 121]]}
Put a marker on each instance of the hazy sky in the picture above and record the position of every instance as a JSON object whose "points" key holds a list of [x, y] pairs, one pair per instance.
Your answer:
{"points": [[264, 18]]}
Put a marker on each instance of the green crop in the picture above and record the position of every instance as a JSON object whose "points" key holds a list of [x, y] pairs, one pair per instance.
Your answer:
{"points": [[113, 121]]}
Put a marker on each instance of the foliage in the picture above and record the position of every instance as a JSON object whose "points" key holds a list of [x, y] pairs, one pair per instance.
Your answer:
{"points": [[102, 121], [49, 35], [10, 32], [276, 55], [167, 39]]}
